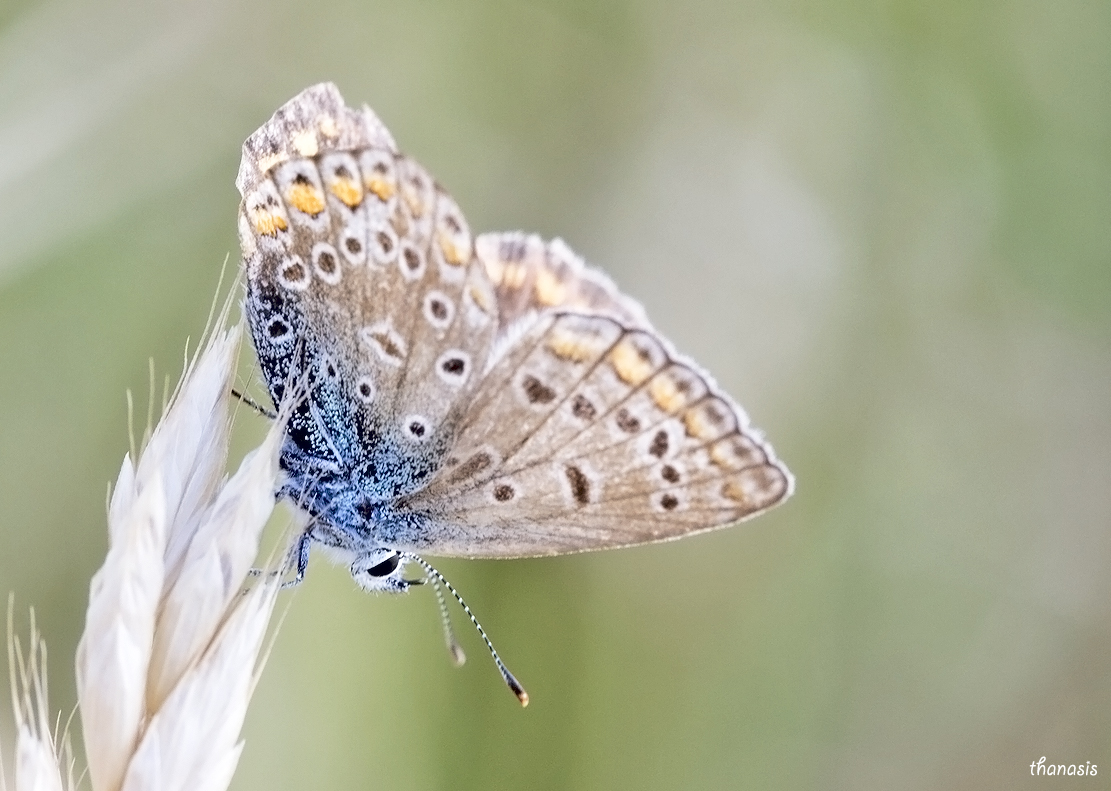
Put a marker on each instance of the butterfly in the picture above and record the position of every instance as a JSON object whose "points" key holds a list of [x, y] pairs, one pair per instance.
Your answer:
{"points": [[483, 397]]}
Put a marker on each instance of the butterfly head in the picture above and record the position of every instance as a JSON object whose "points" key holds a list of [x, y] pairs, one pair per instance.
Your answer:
{"points": [[382, 571]]}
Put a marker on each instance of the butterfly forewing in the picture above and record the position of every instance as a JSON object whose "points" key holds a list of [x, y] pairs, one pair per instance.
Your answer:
{"points": [[357, 270]]}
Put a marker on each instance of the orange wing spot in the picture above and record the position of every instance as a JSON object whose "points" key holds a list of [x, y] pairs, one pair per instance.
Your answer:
{"points": [[696, 424], [481, 300], [268, 224], [414, 202], [549, 290], [454, 254], [306, 198], [495, 270], [722, 456], [513, 276], [734, 453], [667, 394], [571, 346], [629, 363], [381, 187], [737, 491], [347, 190]]}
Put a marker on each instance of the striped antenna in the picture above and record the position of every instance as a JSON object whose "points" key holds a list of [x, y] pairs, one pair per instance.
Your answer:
{"points": [[453, 647], [438, 579]]}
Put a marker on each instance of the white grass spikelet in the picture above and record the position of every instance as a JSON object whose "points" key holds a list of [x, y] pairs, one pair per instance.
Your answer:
{"points": [[170, 653], [38, 760], [192, 741], [217, 561], [114, 652]]}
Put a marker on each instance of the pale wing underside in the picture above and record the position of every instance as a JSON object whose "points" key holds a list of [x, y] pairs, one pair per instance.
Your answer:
{"points": [[493, 397], [355, 253], [531, 275], [589, 434]]}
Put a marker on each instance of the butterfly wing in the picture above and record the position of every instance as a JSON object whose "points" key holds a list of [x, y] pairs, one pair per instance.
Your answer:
{"points": [[577, 428], [530, 275], [588, 432], [361, 280]]}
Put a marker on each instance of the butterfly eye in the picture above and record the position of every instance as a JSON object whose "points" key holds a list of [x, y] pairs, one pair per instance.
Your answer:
{"points": [[385, 568]]}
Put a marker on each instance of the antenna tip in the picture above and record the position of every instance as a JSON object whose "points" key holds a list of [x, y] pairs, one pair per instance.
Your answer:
{"points": [[518, 690], [457, 655]]}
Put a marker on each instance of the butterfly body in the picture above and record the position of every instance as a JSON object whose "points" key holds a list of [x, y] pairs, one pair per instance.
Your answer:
{"points": [[488, 397]]}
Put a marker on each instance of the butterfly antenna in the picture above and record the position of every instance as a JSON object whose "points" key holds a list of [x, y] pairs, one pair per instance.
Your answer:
{"points": [[453, 647], [439, 579]]}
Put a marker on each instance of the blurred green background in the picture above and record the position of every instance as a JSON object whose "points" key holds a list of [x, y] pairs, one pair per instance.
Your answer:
{"points": [[886, 228]]}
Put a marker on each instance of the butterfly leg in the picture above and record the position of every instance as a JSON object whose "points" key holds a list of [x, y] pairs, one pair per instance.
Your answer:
{"points": [[254, 404], [299, 557]]}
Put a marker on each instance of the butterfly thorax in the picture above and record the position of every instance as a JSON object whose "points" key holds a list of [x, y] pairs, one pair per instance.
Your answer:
{"points": [[355, 503]]}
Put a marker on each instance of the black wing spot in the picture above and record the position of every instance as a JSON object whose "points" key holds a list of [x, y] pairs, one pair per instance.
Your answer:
{"points": [[627, 422], [536, 391], [278, 329], [580, 485], [387, 344], [294, 272], [472, 466], [416, 427], [582, 408]]}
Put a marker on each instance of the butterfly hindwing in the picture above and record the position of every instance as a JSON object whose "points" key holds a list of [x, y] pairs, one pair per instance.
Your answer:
{"points": [[531, 275], [607, 438]]}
